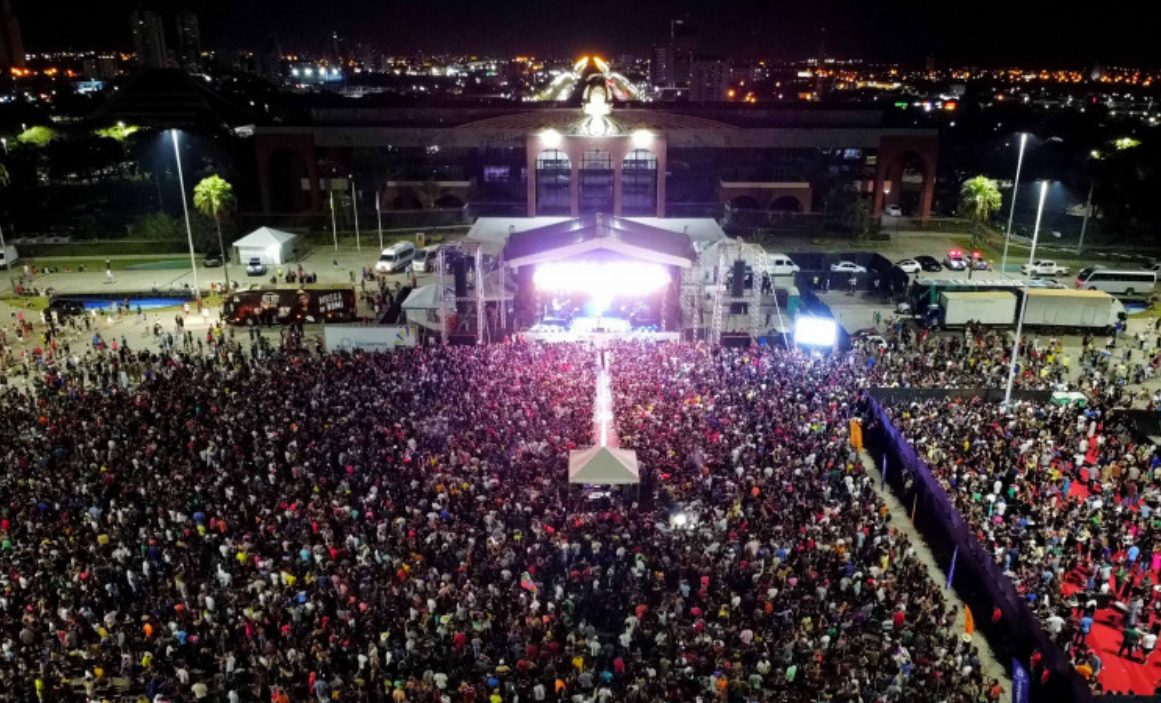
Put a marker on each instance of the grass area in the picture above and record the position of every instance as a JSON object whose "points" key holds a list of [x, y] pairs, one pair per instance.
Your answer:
{"points": [[112, 247], [20, 302], [68, 264]]}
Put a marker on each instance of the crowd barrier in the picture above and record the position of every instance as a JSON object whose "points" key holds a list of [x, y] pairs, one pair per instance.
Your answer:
{"points": [[1000, 614]]}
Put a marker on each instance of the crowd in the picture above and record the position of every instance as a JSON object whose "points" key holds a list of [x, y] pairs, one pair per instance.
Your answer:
{"points": [[976, 357], [233, 526], [1066, 500]]}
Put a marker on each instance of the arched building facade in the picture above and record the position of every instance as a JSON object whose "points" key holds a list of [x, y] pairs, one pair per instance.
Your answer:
{"points": [[632, 161]]}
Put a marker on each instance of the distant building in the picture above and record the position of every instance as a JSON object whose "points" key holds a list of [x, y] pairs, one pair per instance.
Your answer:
{"points": [[661, 67], [710, 80], [189, 42], [149, 39], [11, 40], [682, 43]]}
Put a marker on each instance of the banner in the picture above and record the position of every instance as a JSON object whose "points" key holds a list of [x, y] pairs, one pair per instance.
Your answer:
{"points": [[367, 338], [969, 623], [1020, 682]]}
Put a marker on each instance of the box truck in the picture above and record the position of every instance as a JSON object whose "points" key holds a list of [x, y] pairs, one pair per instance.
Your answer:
{"points": [[1074, 309], [993, 307]]}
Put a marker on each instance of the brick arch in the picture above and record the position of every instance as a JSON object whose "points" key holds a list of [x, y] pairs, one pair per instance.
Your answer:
{"points": [[788, 203], [893, 153]]}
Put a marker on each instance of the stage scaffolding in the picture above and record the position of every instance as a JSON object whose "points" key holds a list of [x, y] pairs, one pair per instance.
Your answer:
{"points": [[752, 322], [482, 311]]}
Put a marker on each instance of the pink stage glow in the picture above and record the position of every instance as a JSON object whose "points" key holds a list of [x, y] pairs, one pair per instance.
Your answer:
{"points": [[607, 280]]}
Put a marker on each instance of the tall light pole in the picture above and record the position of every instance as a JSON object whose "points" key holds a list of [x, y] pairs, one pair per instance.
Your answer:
{"points": [[185, 209], [1012, 207], [355, 210], [379, 216], [334, 224], [1024, 301], [1087, 214]]}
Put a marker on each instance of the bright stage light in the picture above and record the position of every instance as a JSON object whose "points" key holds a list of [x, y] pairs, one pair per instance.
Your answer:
{"points": [[815, 331], [550, 138], [642, 139], [602, 281]]}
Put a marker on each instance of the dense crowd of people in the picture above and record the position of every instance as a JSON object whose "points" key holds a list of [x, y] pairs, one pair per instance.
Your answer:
{"points": [[1067, 501], [263, 525]]}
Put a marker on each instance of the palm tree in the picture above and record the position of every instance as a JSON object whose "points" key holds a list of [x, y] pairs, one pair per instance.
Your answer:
{"points": [[213, 197], [979, 197]]}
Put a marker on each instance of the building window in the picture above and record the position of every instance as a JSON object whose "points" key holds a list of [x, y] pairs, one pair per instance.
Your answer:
{"points": [[553, 173], [639, 183]]}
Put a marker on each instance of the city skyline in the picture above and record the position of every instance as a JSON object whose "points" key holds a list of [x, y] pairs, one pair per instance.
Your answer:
{"points": [[987, 34]]}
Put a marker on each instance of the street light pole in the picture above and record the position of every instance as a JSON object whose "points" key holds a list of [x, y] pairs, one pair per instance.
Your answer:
{"points": [[334, 224], [1024, 301], [355, 210], [1084, 222], [1012, 207], [185, 209], [379, 217]]}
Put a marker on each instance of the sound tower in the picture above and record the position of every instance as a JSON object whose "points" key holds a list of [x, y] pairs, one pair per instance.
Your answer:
{"points": [[738, 287]]}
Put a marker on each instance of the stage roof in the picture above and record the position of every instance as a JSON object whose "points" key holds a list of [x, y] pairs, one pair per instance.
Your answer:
{"points": [[599, 233]]}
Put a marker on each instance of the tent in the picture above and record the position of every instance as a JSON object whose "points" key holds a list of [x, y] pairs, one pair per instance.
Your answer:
{"points": [[274, 247], [603, 466]]}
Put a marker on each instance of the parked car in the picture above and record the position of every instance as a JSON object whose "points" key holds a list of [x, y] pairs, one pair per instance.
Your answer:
{"points": [[909, 266], [425, 259], [847, 267], [929, 263], [893, 211], [955, 260], [255, 267], [212, 261], [1043, 267]]}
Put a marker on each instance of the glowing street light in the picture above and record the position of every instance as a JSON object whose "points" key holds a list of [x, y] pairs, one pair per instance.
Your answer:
{"points": [[185, 209], [1012, 207], [551, 138], [1024, 302]]}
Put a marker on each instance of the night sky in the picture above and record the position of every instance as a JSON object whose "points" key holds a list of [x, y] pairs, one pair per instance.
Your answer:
{"points": [[981, 32]]}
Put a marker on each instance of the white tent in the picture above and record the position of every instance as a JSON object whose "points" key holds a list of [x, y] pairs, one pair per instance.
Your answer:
{"points": [[274, 247], [603, 466]]}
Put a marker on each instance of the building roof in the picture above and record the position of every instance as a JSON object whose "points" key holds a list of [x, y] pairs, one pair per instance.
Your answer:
{"points": [[603, 466], [170, 98], [264, 237], [618, 236]]}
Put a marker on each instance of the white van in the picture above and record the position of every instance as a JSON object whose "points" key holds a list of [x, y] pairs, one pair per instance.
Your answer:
{"points": [[8, 256], [396, 257], [1116, 282], [780, 265], [425, 259]]}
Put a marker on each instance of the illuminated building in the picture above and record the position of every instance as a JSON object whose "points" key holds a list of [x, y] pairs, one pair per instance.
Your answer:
{"points": [[596, 155]]}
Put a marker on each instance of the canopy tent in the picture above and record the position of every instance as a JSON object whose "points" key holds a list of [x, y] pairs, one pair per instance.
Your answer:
{"points": [[603, 466], [274, 247]]}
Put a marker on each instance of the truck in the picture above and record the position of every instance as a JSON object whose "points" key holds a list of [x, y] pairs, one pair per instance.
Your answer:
{"points": [[1043, 267], [1073, 309], [287, 305], [994, 307]]}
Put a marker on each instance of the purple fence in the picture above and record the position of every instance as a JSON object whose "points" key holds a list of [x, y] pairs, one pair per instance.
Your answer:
{"points": [[978, 579]]}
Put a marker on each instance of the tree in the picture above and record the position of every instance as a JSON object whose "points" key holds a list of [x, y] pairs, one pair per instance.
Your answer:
{"points": [[979, 198], [38, 136], [214, 197]]}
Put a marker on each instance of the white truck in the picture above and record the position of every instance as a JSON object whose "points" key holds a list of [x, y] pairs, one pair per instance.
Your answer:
{"points": [[1073, 309], [1043, 267], [991, 307]]}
